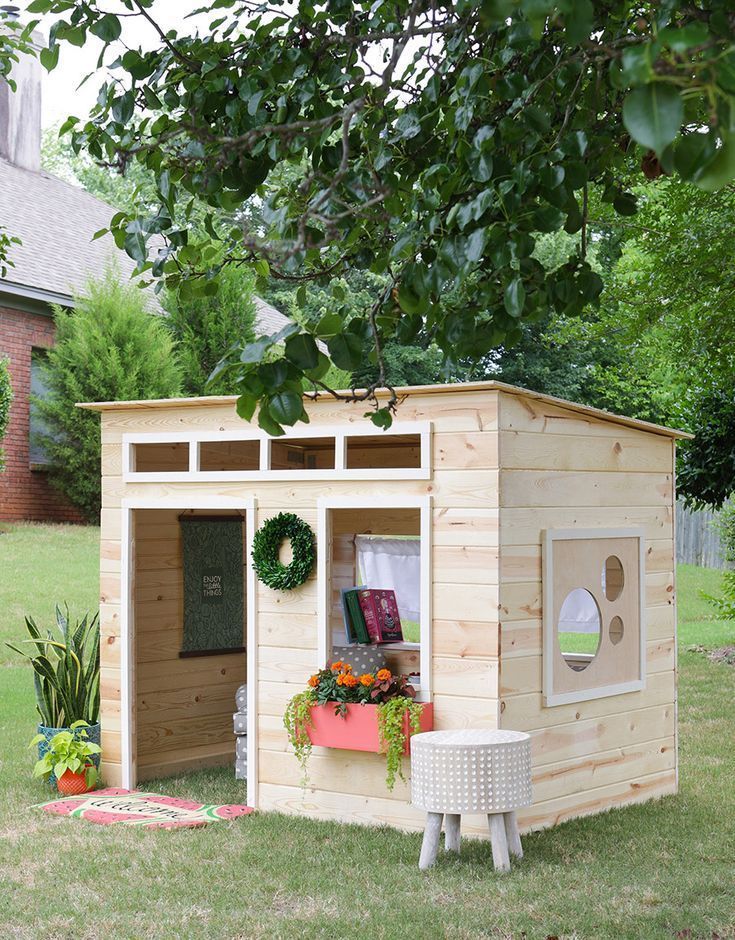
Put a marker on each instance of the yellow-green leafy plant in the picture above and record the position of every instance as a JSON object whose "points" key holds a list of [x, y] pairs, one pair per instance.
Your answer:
{"points": [[68, 750]]}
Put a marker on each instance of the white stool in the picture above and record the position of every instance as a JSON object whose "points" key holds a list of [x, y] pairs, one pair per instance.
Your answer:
{"points": [[471, 771]]}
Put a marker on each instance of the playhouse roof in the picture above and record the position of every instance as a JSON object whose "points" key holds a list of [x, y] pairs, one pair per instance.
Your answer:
{"points": [[453, 389]]}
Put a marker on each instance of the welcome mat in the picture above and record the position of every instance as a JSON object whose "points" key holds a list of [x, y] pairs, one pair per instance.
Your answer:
{"points": [[135, 808]]}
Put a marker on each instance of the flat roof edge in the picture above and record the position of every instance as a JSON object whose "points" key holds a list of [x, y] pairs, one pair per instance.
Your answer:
{"points": [[405, 392]]}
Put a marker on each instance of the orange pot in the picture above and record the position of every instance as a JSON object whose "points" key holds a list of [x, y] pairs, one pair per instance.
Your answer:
{"points": [[71, 784]]}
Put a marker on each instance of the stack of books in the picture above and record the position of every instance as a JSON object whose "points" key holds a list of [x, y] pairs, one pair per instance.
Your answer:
{"points": [[371, 615]]}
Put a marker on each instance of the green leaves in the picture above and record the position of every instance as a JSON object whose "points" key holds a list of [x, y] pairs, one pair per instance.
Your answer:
{"points": [[381, 418], [720, 169], [653, 115], [107, 28], [475, 245], [481, 166], [302, 351], [285, 407], [693, 152], [346, 350], [514, 297], [437, 181], [246, 405], [136, 246], [49, 58], [413, 291], [637, 64], [407, 126], [625, 204]]}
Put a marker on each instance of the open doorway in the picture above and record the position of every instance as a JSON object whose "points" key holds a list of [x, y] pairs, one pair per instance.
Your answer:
{"points": [[188, 612]]}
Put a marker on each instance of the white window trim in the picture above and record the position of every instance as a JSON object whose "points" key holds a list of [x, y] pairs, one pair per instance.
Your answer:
{"points": [[340, 433], [127, 627], [423, 503], [550, 536]]}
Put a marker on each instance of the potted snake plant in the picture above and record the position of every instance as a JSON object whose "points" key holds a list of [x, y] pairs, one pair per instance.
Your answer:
{"points": [[66, 675]]}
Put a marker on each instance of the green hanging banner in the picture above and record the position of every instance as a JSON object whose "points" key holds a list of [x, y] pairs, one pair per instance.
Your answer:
{"points": [[214, 600]]}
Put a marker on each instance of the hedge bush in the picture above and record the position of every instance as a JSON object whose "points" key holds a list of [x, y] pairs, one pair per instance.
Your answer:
{"points": [[204, 328], [6, 399], [725, 524], [108, 348]]}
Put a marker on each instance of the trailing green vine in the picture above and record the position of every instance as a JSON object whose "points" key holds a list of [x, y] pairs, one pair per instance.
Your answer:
{"points": [[337, 687], [391, 715], [266, 546], [297, 721]]}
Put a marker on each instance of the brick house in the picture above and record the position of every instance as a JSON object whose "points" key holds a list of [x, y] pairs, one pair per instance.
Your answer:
{"points": [[55, 221]]}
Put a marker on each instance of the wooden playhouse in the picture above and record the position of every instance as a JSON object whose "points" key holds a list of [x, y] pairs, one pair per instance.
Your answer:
{"points": [[536, 522]]}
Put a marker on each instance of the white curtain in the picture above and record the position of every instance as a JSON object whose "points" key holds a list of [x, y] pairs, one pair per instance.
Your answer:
{"points": [[392, 564], [579, 613]]}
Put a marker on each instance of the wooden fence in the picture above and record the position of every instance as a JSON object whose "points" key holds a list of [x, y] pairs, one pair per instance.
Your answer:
{"points": [[697, 539]]}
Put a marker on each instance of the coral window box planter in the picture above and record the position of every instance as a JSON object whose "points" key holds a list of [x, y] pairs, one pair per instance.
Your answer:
{"points": [[357, 729]]}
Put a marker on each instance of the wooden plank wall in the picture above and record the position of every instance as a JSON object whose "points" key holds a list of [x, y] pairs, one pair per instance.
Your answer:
{"points": [[561, 469], [464, 491], [351, 785]]}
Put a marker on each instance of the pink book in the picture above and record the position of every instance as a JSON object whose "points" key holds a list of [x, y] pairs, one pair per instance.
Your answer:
{"points": [[381, 615]]}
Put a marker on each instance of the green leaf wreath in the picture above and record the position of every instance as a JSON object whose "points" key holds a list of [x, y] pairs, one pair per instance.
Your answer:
{"points": [[266, 545]]}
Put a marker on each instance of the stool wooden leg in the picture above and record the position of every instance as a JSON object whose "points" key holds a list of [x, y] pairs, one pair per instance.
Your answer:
{"points": [[430, 845], [452, 832], [499, 842], [512, 835]]}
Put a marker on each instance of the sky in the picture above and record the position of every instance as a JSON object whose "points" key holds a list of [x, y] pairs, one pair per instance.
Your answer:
{"points": [[60, 93]]}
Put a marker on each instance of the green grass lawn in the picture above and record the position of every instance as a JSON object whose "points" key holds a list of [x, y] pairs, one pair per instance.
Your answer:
{"points": [[661, 870], [41, 565]]}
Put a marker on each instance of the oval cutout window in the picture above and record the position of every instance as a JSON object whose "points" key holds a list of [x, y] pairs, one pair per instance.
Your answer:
{"points": [[616, 630], [613, 579], [579, 629]]}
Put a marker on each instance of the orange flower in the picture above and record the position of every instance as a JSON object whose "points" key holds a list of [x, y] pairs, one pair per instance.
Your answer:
{"points": [[346, 667], [314, 681], [341, 679], [335, 667], [383, 675], [367, 679], [350, 681]]}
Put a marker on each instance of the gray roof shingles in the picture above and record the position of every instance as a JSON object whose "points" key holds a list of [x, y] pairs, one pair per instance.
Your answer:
{"points": [[56, 222]]}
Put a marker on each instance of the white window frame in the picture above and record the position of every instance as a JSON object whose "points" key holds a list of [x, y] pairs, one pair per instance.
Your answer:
{"points": [[340, 433], [423, 503], [586, 694], [127, 626]]}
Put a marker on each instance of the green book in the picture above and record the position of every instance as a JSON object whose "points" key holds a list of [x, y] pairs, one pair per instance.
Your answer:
{"points": [[357, 618]]}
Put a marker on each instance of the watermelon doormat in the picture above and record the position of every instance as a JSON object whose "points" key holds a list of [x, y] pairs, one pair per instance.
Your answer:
{"points": [[135, 808]]}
